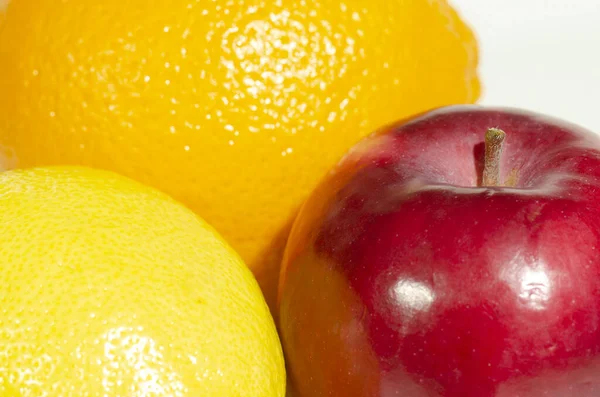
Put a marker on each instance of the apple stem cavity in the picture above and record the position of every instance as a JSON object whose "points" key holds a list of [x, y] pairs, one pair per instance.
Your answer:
{"points": [[494, 141]]}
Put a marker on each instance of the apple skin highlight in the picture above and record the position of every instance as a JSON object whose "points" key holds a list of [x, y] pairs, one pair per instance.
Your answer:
{"points": [[405, 275]]}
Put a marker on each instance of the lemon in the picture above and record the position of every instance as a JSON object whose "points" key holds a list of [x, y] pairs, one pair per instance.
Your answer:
{"points": [[234, 108], [110, 288]]}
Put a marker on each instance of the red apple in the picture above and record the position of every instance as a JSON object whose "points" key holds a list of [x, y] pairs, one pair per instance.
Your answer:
{"points": [[438, 261]]}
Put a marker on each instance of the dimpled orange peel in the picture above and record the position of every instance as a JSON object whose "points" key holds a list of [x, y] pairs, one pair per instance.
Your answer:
{"points": [[110, 288], [235, 108]]}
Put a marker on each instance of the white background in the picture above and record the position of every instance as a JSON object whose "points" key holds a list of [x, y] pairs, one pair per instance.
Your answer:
{"points": [[542, 55]]}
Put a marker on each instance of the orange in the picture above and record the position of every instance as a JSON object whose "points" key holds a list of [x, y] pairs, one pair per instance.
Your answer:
{"points": [[235, 108], [110, 288]]}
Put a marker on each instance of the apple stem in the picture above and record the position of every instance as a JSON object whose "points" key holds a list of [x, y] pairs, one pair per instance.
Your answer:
{"points": [[494, 140]]}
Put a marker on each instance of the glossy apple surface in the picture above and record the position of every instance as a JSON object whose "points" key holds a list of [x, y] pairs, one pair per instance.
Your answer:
{"points": [[404, 276]]}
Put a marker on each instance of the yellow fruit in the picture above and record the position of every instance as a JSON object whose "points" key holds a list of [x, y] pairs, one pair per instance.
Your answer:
{"points": [[235, 108], [109, 288]]}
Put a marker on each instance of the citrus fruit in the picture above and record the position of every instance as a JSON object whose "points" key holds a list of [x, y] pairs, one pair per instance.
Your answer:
{"points": [[234, 108], [110, 288]]}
